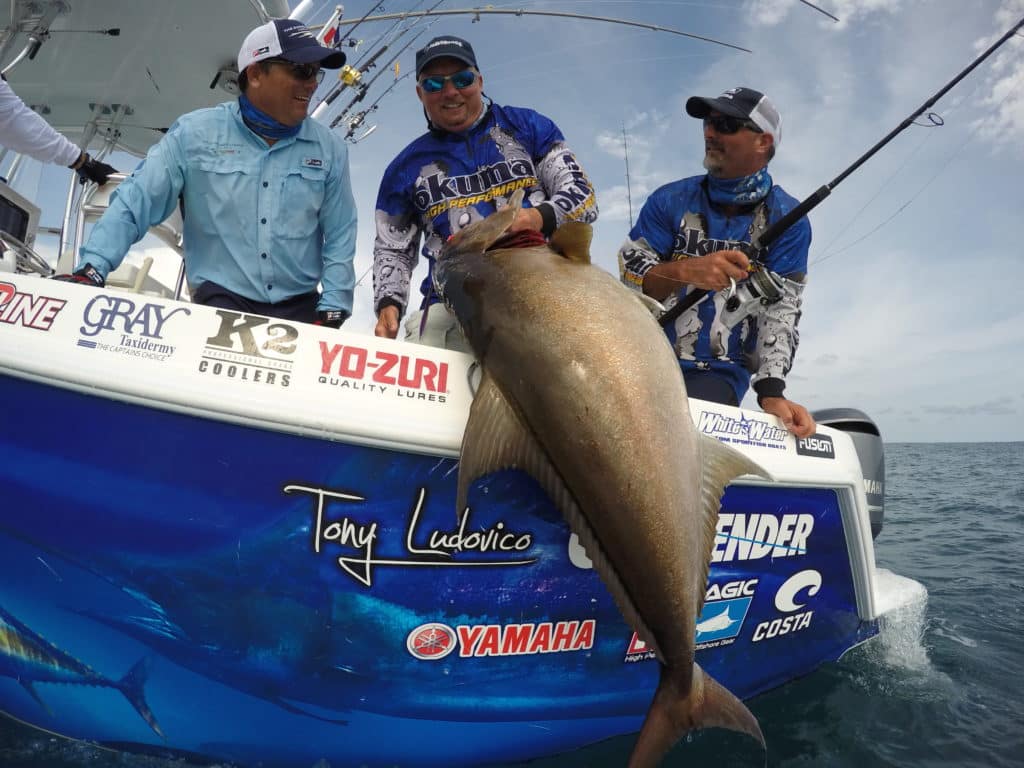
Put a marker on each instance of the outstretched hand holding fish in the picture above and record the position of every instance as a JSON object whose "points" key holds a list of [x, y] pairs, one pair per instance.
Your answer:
{"points": [[581, 390]]}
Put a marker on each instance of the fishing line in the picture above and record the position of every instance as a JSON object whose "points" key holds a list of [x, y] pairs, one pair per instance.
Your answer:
{"points": [[777, 228], [970, 137], [936, 121]]}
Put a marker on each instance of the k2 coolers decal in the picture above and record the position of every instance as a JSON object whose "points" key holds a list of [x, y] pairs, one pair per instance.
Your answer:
{"points": [[429, 642], [251, 349]]}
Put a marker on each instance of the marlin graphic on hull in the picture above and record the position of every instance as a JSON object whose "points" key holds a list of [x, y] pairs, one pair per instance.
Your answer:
{"points": [[29, 658]]}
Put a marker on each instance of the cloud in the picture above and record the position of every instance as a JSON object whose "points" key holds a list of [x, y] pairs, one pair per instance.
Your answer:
{"points": [[1002, 123], [773, 12], [997, 407]]}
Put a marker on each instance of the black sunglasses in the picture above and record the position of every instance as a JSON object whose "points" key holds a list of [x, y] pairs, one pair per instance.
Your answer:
{"points": [[301, 71], [728, 124]]}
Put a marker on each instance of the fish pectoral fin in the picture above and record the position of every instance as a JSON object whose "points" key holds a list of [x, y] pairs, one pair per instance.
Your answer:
{"points": [[650, 303], [674, 712], [495, 439], [27, 685], [572, 240], [483, 234], [720, 465]]}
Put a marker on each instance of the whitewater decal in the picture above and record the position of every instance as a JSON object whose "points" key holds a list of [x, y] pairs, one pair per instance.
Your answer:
{"points": [[27, 309], [816, 445], [720, 621], [128, 328], [435, 641], [743, 431], [251, 349], [802, 585], [499, 545], [381, 373], [757, 536]]}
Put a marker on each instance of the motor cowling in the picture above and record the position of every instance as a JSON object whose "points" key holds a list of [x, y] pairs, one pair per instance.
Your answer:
{"points": [[868, 441]]}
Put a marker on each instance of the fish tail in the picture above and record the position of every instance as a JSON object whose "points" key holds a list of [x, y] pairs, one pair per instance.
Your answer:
{"points": [[132, 685], [674, 712]]}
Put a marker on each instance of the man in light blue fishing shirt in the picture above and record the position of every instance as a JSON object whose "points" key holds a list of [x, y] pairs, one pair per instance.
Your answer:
{"points": [[265, 193]]}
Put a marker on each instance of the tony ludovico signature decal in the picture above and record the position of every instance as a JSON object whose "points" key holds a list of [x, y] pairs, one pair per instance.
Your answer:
{"points": [[423, 547], [131, 329], [250, 348]]}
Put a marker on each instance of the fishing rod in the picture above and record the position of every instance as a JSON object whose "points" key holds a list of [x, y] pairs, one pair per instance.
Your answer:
{"points": [[352, 76], [819, 9], [476, 12], [387, 67], [760, 277], [360, 117]]}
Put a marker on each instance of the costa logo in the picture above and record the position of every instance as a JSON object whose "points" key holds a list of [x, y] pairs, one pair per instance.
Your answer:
{"points": [[791, 599], [429, 642], [352, 362]]}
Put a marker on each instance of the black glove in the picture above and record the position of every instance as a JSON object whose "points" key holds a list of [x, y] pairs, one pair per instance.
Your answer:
{"points": [[86, 275], [94, 170], [332, 318]]}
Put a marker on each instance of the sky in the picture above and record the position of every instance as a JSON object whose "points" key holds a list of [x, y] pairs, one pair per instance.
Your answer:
{"points": [[913, 312]]}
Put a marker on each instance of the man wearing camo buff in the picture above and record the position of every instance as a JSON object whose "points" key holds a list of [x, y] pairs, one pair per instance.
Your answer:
{"points": [[695, 234]]}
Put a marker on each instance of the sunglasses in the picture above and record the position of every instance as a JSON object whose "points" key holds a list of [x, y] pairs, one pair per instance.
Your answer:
{"points": [[460, 80], [301, 71], [728, 124]]}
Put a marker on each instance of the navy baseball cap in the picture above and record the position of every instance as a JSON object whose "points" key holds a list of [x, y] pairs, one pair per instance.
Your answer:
{"points": [[740, 102], [447, 46], [287, 39]]}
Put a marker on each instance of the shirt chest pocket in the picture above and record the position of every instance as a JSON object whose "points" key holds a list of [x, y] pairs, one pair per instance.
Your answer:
{"points": [[226, 187], [302, 197]]}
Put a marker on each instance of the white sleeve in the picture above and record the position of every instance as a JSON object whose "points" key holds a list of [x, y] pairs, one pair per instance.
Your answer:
{"points": [[22, 130]]}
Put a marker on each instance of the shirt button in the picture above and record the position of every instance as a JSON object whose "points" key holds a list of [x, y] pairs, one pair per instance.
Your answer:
{"points": [[266, 184], [270, 287], [263, 221], [263, 255]]}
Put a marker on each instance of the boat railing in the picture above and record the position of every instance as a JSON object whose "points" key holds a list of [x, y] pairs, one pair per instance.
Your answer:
{"points": [[93, 203]]}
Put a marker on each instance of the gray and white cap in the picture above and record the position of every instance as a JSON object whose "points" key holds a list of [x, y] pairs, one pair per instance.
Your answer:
{"points": [[740, 102]]}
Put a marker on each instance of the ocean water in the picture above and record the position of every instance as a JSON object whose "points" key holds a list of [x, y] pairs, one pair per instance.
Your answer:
{"points": [[943, 684]]}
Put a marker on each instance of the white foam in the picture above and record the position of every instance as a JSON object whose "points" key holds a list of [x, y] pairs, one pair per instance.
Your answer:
{"points": [[901, 604]]}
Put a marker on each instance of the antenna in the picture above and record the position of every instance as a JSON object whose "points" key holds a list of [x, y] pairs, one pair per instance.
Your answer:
{"points": [[629, 194]]}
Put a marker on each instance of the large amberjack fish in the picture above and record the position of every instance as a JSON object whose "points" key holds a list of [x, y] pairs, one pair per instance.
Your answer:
{"points": [[29, 658], [581, 389]]}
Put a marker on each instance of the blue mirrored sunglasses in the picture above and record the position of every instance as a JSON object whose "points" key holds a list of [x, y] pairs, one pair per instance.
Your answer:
{"points": [[460, 80]]}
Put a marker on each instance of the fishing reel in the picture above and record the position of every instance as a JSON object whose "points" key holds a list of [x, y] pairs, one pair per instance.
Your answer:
{"points": [[761, 289]]}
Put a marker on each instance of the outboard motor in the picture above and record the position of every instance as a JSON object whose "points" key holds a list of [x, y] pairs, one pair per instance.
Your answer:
{"points": [[868, 442]]}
